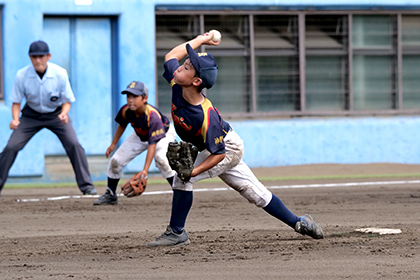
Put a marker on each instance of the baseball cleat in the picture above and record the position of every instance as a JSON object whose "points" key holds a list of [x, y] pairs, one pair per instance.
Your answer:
{"points": [[90, 191], [106, 199], [170, 238], [307, 226]]}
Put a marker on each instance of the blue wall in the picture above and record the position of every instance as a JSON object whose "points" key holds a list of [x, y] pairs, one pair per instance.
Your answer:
{"points": [[278, 142], [344, 140]]}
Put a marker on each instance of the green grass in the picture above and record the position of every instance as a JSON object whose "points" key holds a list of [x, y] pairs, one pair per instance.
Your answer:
{"points": [[153, 181], [325, 177]]}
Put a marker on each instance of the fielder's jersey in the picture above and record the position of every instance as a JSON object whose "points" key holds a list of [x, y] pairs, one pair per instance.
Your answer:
{"points": [[151, 126], [202, 125]]}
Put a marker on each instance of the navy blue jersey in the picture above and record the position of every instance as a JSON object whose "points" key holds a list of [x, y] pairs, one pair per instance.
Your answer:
{"points": [[151, 126], [202, 125]]}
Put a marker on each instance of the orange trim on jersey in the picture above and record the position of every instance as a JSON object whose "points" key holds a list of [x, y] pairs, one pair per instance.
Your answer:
{"points": [[124, 111], [149, 110], [207, 107]]}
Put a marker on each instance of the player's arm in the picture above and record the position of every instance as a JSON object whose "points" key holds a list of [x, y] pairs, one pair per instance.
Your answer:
{"points": [[209, 163], [151, 149], [15, 116], [179, 52], [120, 130], [64, 115]]}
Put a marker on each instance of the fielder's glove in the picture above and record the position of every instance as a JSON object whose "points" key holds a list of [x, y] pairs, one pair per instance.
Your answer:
{"points": [[135, 186], [181, 157]]}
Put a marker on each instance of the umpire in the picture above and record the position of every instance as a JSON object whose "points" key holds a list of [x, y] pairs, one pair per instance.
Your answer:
{"points": [[46, 89]]}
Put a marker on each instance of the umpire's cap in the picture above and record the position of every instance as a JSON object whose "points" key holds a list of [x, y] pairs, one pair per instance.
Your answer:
{"points": [[39, 48], [136, 88], [205, 65]]}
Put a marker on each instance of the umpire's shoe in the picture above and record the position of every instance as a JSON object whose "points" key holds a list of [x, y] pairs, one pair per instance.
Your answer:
{"points": [[106, 199], [90, 191], [307, 226], [170, 238]]}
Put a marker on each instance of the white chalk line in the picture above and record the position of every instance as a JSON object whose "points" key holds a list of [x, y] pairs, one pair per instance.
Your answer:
{"points": [[331, 185]]}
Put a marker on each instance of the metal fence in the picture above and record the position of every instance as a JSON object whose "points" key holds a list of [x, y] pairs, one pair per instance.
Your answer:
{"points": [[297, 63]]}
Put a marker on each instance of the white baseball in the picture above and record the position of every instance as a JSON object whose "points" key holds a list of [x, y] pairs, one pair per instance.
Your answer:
{"points": [[216, 35]]}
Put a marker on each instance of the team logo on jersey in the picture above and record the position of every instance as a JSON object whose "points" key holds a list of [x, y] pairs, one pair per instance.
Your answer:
{"points": [[54, 98], [139, 131], [179, 120], [218, 140], [157, 132]]}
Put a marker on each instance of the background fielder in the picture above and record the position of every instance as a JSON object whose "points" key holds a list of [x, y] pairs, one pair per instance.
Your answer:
{"points": [[152, 132]]}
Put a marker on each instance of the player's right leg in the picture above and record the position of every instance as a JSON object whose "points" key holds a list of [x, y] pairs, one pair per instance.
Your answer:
{"points": [[128, 150], [182, 199], [170, 238]]}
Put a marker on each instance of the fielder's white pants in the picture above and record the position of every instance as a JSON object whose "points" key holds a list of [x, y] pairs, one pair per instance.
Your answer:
{"points": [[133, 146], [233, 171]]}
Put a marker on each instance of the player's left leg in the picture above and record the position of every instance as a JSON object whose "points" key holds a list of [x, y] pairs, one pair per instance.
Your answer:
{"points": [[242, 179]]}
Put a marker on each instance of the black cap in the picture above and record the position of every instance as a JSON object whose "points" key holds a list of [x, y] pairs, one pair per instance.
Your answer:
{"points": [[39, 48], [136, 88]]}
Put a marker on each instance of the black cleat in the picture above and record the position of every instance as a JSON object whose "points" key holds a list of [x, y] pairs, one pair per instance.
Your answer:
{"points": [[106, 199]]}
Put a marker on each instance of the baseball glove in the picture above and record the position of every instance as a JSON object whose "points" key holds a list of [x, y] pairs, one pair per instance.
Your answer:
{"points": [[135, 186], [181, 157]]}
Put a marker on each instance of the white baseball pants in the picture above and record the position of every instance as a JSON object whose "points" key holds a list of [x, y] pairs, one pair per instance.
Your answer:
{"points": [[133, 146], [233, 171]]}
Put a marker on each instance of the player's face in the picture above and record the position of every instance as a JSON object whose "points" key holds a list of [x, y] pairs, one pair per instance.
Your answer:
{"points": [[40, 62], [184, 74], [136, 103]]}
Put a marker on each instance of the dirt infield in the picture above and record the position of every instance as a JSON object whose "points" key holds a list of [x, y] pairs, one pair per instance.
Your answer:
{"points": [[69, 238]]}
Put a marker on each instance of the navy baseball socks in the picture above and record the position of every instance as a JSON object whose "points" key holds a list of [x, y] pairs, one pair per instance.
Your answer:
{"points": [[277, 209], [175, 234], [181, 205], [304, 225], [110, 196]]}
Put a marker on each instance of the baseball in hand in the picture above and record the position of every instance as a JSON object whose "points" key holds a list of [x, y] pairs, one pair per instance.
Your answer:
{"points": [[216, 35]]}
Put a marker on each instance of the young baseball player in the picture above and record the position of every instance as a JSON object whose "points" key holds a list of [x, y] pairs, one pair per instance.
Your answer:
{"points": [[198, 122], [152, 132]]}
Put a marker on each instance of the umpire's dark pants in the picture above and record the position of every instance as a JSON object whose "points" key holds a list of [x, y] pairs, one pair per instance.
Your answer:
{"points": [[30, 123]]}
